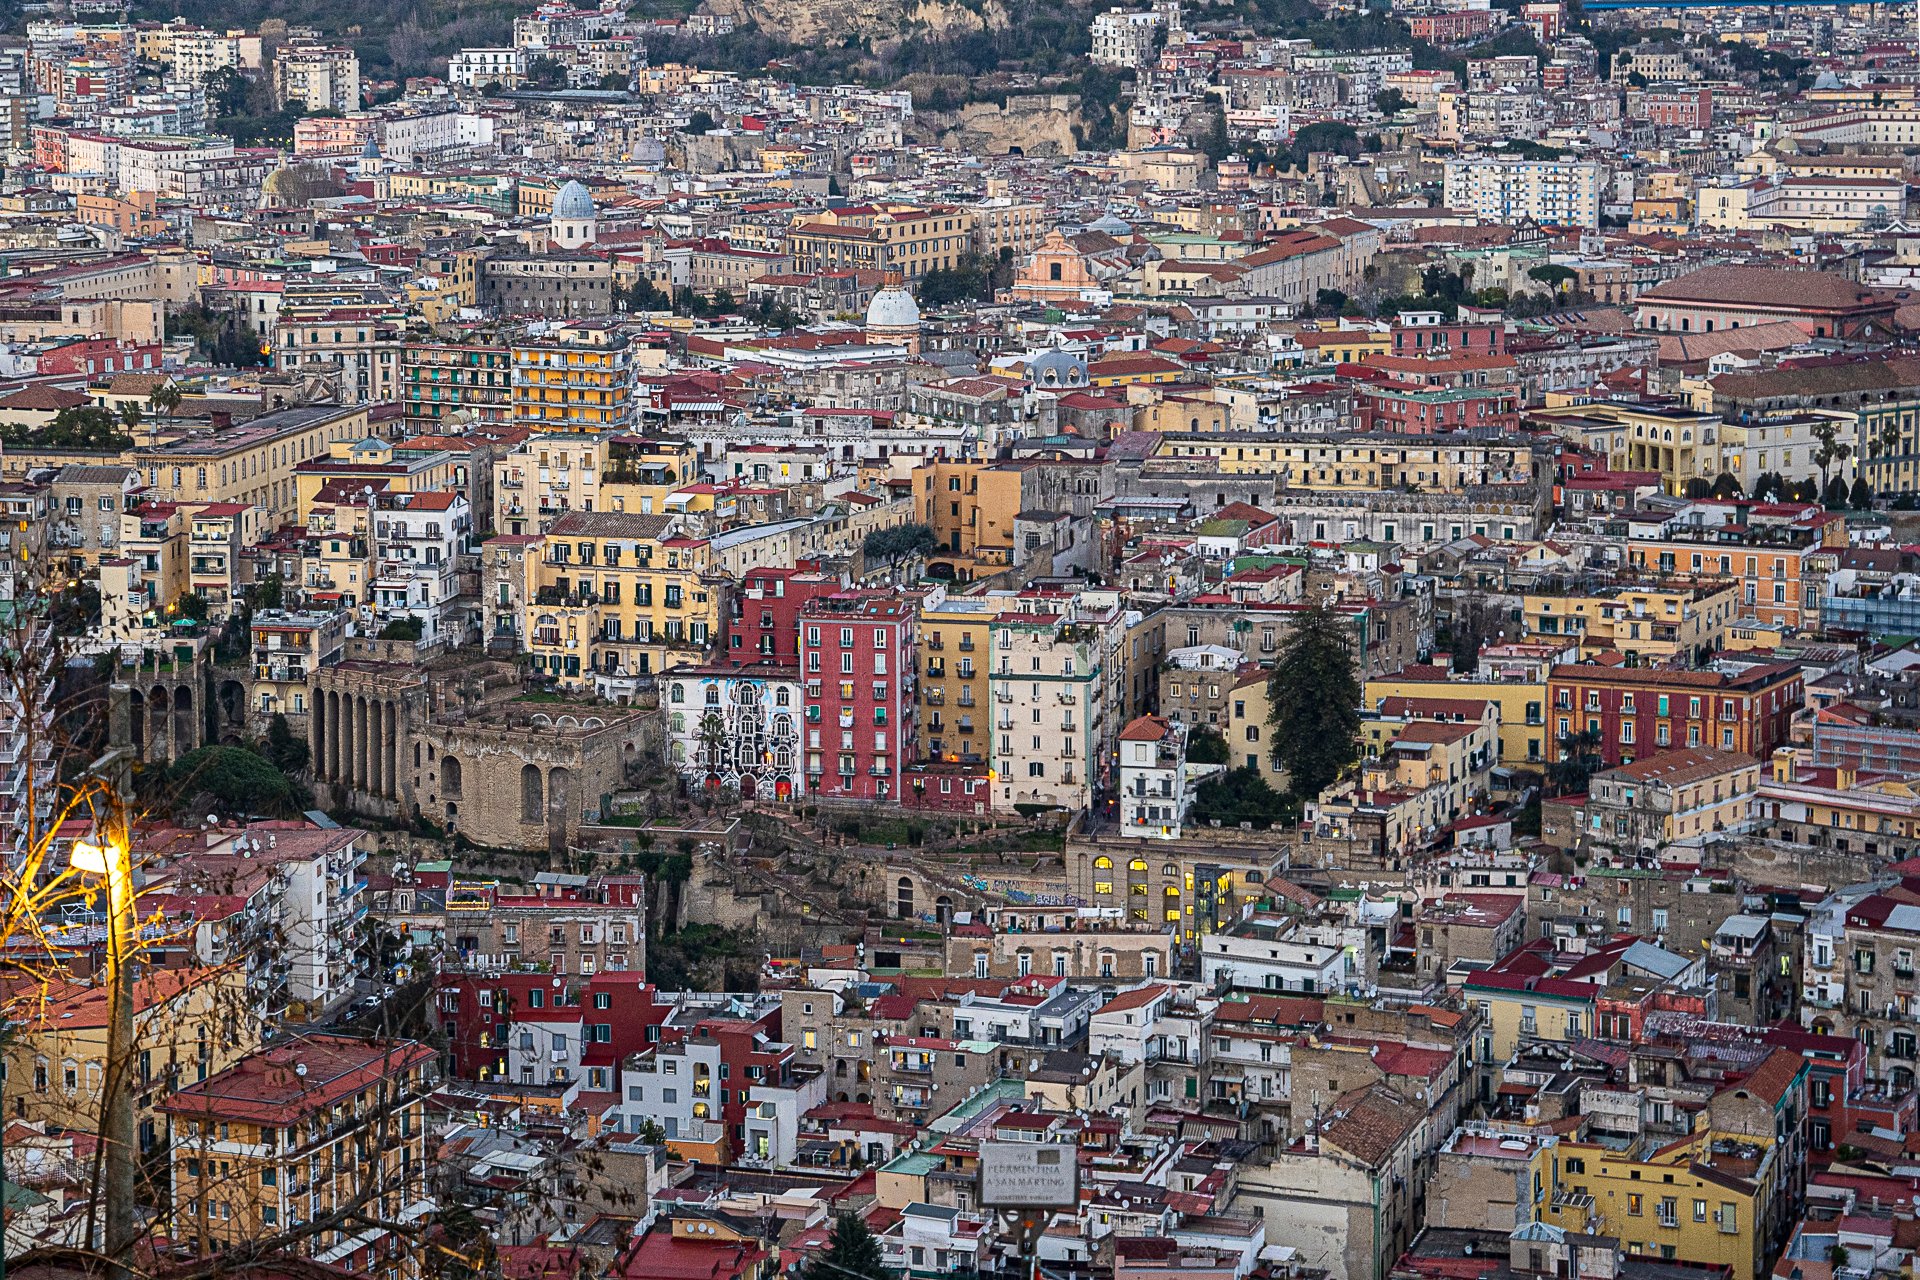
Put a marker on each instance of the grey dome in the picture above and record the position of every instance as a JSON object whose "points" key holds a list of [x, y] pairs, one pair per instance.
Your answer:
{"points": [[893, 308], [573, 202]]}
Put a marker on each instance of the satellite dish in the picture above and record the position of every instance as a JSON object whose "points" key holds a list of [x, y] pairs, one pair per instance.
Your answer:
{"points": [[300, 1069], [556, 982]]}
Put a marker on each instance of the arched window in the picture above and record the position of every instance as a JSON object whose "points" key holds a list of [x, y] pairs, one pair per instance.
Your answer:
{"points": [[1103, 863]]}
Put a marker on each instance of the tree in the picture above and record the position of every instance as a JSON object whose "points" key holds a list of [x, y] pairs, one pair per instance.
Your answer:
{"points": [[1861, 496], [1216, 144], [1553, 275], [698, 123], [1834, 495], [1767, 486], [546, 73], [1206, 746], [1579, 760], [1832, 449], [287, 752], [1315, 702], [235, 780], [407, 628], [1726, 487], [1324, 136], [1242, 795], [164, 400], [852, 1253], [1696, 487], [1329, 302], [1390, 102], [192, 606], [899, 542]]}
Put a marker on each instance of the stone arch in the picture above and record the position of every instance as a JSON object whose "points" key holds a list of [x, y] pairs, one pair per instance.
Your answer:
{"points": [[159, 717], [137, 721], [532, 793], [943, 910], [560, 799], [903, 898], [183, 713], [230, 698], [450, 776]]}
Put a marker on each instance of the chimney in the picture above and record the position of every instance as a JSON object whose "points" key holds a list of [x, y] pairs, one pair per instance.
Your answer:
{"points": [[220, 418]]}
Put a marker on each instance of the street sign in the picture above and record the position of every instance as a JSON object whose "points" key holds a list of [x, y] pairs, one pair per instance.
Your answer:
{"points": [[1029, 1175]]}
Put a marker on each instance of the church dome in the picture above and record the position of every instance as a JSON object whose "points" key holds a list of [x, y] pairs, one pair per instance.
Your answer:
{"points": [[574, 202], [893, 308]]}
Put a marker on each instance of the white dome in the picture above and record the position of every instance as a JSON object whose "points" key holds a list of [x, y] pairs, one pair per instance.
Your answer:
{"points": [[893, 308], [574, 202]]}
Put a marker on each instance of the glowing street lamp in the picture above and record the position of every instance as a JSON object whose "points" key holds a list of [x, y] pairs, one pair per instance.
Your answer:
{"points": [[110, 857]]}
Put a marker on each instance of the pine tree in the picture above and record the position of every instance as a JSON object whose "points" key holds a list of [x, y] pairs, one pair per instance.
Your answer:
{"points": [[1315, 701], [852, 1254], [1861, 497]]}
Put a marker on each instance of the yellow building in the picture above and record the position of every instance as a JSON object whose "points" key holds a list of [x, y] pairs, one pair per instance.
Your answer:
{"points": [[579, 378], [954, 716], [1523, 727], [619, 595], [252, 463], [556, 472], [186, 1025], [288, 1135], [1357, 461], [1699, 1200], [351, 465], [1649, 625], [1549, 1009], [1679, 444], [970, 506], [911, 239]]}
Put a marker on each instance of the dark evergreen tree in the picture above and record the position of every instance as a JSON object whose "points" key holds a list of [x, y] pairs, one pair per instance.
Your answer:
{"points": [[1315, 702], [1861, 496], [852, 1254]]}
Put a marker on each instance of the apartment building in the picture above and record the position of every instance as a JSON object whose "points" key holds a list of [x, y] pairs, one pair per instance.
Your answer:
{"points": [[547, 475], [1561, 193], [1047, 681], [364, 342], [858, 661], [596, 928], [1648, 624], [184, 1023], [252, 464], [1684, 794], [620, 596], [287, 1136], [1638, 712], [955, 639], [1776, 558], [578, 376], [1126, 41], [910, 239], [317, 77], [442, 380], [736, 727], [418, 543]]}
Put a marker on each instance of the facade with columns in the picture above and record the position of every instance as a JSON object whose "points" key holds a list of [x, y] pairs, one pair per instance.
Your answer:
{"points": [[449, 744]]}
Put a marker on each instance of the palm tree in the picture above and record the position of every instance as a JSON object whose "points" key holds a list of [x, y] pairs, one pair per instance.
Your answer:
{"points": [[164, 399]]}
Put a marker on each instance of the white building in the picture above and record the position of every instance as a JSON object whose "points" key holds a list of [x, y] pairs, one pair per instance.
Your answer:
{"points": [[320, 77], [1563, 193], [477, 68], [418, 540], [1154, 790], [1125, 40], [735, 727], [1282, 954]]}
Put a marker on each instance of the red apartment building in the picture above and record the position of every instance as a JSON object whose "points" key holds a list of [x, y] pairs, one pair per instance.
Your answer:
{"points": [[610, 1014], [764, 625], [857, 658], [1641, 711], [1678, 108], [1465, 338], [1453, 27]]}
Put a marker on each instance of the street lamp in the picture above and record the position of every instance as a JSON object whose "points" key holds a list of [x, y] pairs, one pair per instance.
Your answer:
{"points": [[109, 855]]}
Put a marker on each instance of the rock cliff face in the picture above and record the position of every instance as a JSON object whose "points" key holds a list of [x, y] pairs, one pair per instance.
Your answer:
{"points": [[1038, 125], [810, 21]]}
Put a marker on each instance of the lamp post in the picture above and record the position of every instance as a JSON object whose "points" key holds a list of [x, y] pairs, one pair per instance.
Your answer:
{"points": [[110, 856]]}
